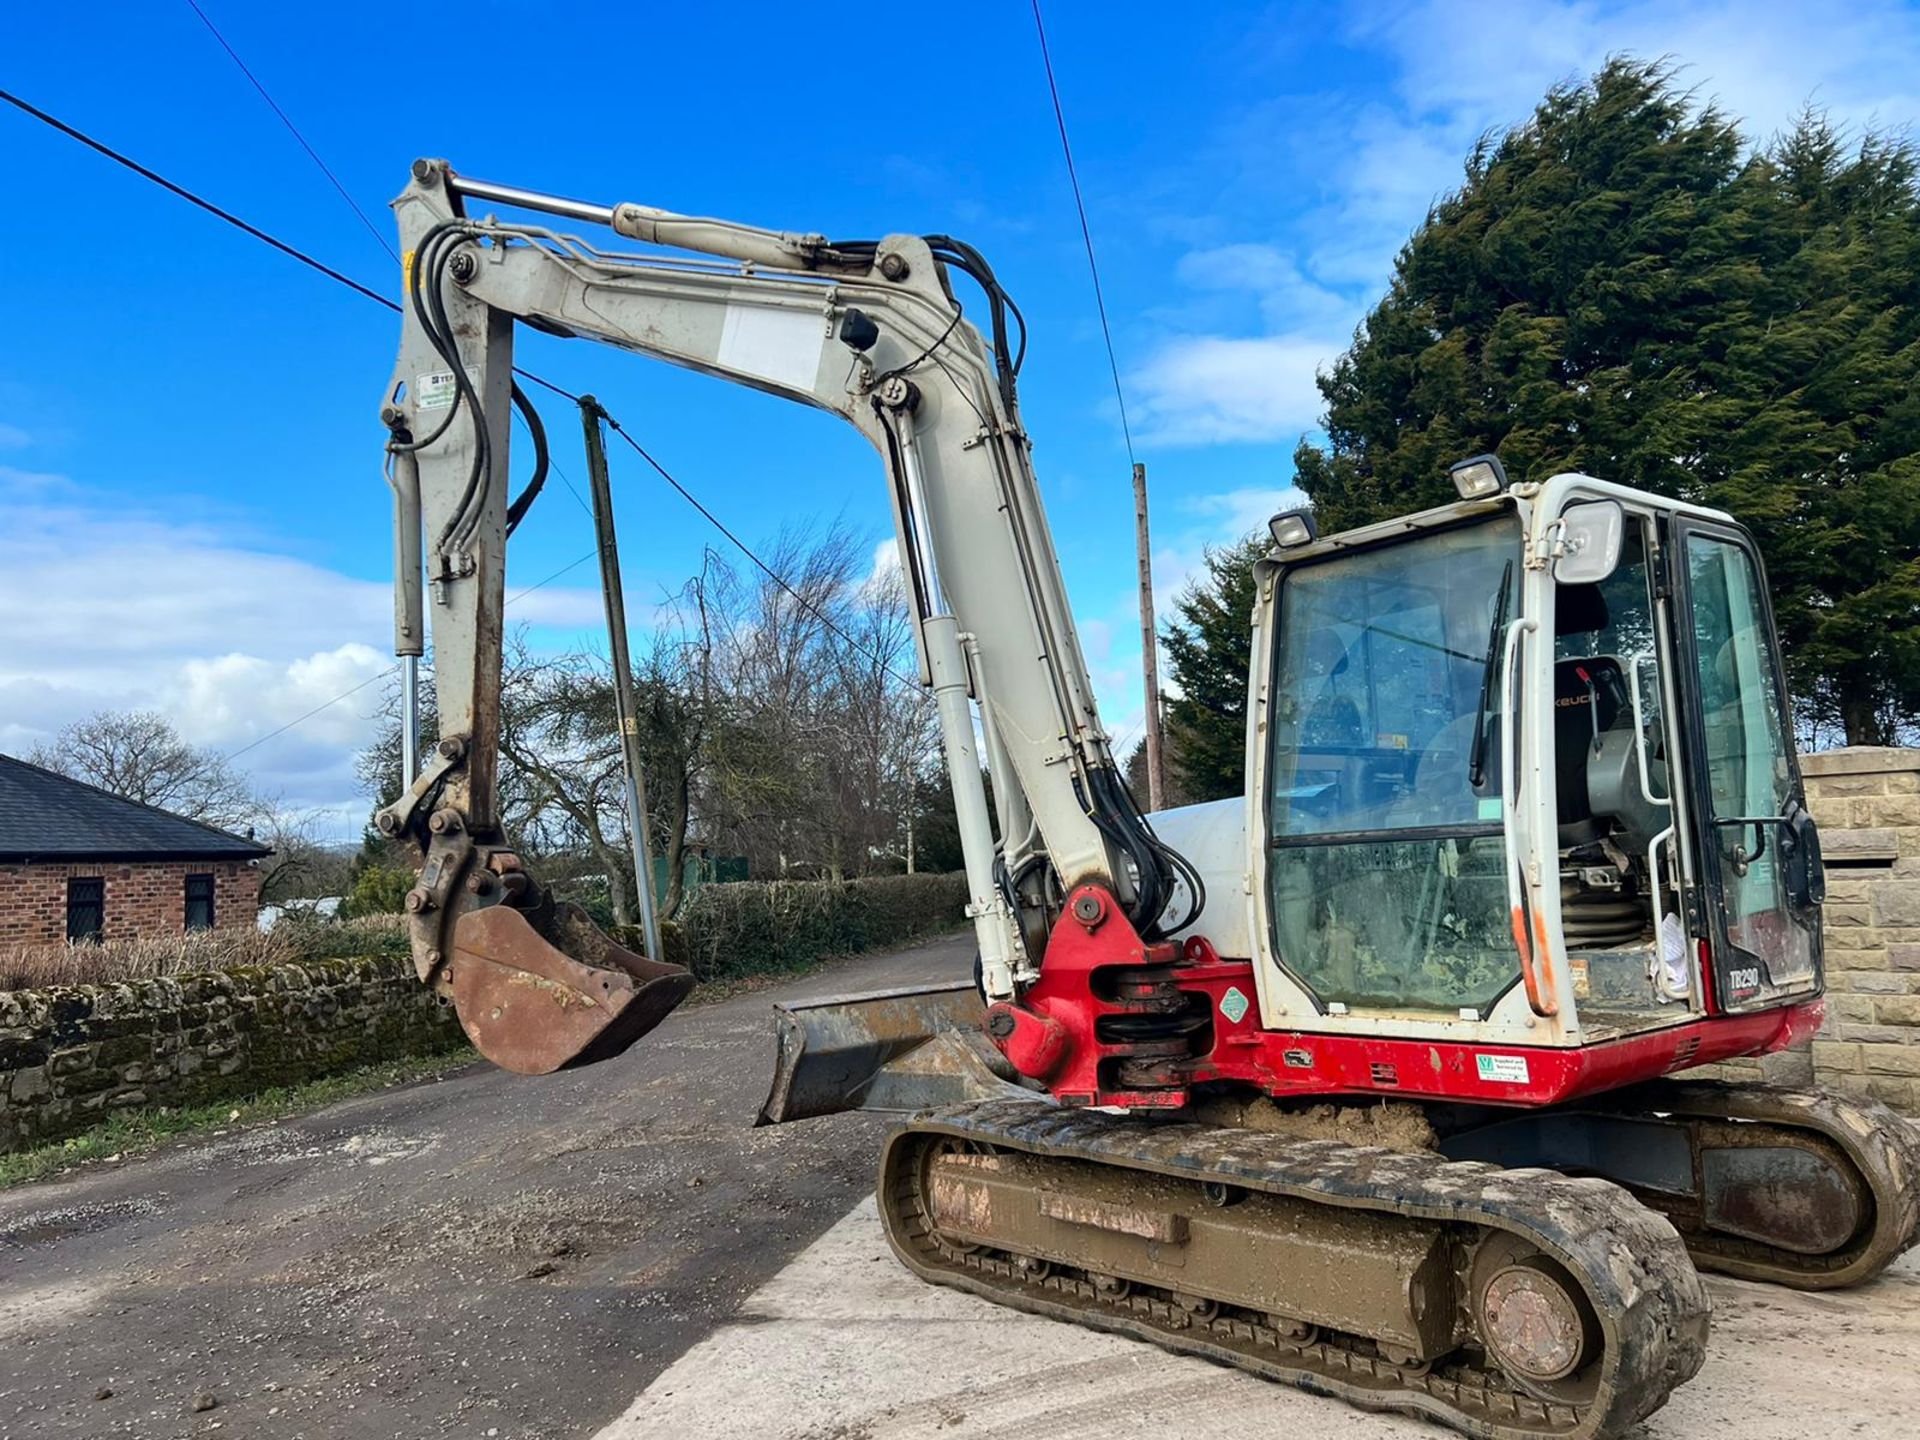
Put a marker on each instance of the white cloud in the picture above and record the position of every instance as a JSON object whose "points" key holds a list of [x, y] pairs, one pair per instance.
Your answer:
{"points": [[1210, 521], [1286, 295], [12, 437], [1210, 389], [1446, 73], [562, 607], [1458, 71], [112, 609], [1232, 515], [886, 566], [17, 482], [1111, 647], [1488, 63], [1183, 530]]}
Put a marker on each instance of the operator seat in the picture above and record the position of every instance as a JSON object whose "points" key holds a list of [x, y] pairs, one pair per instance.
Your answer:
{"points": [[1587, 691]]}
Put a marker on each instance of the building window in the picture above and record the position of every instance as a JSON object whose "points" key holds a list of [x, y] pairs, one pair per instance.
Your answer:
{"points": [[199, 902], [86, 907]]}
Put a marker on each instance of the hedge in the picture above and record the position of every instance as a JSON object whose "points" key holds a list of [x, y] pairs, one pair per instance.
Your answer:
{"points": [[760, 927]]}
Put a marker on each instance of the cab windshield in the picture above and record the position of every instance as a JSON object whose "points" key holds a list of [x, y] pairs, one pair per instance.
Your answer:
{"points": [[1387, 881]]}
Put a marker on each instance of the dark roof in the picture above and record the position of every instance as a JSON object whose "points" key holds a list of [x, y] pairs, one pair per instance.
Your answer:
{"points": [[44, 816]]}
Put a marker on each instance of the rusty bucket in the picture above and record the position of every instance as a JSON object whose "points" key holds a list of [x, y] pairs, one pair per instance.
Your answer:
{"points": [[534, 1003]]}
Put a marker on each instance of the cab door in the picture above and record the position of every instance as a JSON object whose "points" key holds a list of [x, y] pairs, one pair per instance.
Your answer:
{"points": [[1759, 875]]}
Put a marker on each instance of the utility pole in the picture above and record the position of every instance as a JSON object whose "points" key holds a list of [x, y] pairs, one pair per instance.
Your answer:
{"points": [[1149, 645], [590, 417]]}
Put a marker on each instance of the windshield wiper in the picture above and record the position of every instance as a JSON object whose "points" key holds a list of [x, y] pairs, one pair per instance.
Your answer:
{"points": [[1477, 760]]}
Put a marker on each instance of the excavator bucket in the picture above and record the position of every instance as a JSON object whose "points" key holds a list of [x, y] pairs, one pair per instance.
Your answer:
{"points": [[535, 1003], [895, 1051]]}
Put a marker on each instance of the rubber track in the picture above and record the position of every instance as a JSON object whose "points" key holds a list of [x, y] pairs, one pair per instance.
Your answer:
{"points": [[1883, 1148], [1652, 1306]]}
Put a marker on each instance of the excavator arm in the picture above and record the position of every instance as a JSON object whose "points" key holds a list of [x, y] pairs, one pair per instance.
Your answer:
{"points": [[872, 331]]}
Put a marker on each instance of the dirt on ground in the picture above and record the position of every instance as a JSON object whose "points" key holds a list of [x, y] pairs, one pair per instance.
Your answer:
{"points": [[485, 1255]]}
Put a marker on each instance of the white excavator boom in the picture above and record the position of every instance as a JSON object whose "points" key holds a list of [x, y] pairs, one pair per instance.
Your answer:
{"points": [[872, 332]]}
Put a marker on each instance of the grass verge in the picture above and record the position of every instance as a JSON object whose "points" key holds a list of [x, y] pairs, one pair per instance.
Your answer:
{"points": [[136, 1132]]}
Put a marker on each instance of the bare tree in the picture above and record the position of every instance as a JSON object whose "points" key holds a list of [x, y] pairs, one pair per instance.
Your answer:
{"points": [[139, 755], [886, 721], [778, 721], [673, 693], [559, 734], [301, 867], [819, 733], [561, 795]]}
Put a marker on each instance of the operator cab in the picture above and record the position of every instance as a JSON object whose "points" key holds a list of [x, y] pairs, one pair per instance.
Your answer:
{"points": [[1521, 770]]}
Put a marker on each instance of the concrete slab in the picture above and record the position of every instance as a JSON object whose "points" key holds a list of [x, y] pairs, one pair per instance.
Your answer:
{"points": [[844, 1344]]}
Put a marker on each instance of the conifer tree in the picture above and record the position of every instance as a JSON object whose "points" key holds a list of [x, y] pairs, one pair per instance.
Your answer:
{"points": [[1208, 650], [1622, 286]]}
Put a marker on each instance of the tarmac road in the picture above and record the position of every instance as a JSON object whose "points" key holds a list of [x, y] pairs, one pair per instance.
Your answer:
{"points": [[485, 1255], [380, 1269]]}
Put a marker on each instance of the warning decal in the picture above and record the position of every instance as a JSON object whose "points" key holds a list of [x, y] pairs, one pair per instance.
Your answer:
{"points": [[1505, 1069], [435, 392], [1233, 1004]]}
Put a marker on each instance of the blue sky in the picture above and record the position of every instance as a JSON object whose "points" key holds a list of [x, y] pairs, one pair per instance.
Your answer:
{"points": [[189, 454]]}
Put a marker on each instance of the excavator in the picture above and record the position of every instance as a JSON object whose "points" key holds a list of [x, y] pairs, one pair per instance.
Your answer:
{"points": [[1361, 1081]]}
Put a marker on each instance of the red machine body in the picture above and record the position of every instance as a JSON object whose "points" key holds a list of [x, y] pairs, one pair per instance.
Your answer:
{"points": [[1116, 1021]]}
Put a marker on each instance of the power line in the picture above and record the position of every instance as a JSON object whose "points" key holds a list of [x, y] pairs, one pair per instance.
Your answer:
{"points": [[356, 689], [294, 130], [1086, 232], [302, 719], [354, 205], [565, 569], [294, 253], [291, 251], [745, 549], [192, 199]]}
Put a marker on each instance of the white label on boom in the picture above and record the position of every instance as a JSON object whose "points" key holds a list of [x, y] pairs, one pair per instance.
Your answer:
{"points": [[782, 346]]}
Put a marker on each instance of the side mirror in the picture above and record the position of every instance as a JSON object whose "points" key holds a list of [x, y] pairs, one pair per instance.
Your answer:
{"points": [[1588, 547], [1806, 870]]}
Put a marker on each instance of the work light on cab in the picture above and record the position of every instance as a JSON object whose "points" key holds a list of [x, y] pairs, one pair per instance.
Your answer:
{"points": [[1479, 477], [1291, 528]]}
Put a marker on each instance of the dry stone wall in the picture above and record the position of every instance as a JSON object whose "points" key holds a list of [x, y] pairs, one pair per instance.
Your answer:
{"points": [[70, 1055]]}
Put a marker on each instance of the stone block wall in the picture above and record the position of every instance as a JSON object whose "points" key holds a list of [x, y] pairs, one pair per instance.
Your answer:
{"points": [[70, 1055], [142, 898], [1867, 802]]}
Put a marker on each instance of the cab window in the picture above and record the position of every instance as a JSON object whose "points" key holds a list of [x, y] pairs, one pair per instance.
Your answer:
{"points": [[1387, 878]]}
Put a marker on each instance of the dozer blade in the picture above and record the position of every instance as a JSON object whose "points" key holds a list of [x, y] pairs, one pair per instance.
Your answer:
{"points": [[895, 1051], [534, 1007]]}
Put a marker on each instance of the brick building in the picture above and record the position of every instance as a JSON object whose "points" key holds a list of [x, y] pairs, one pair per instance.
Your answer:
{"points": [[77, 863]]}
